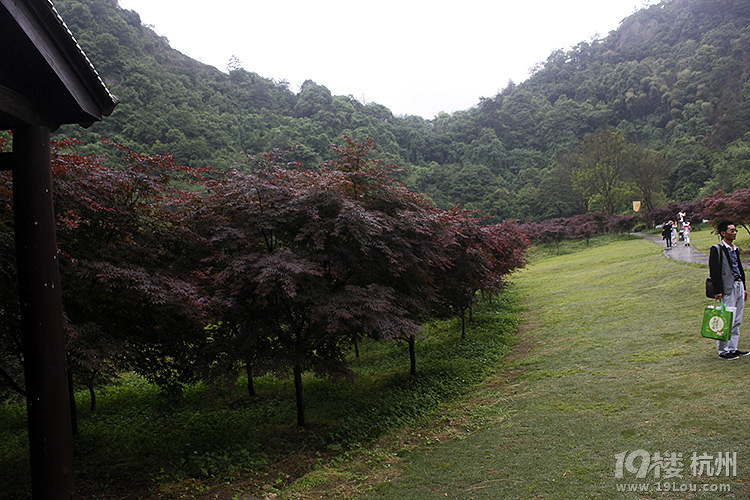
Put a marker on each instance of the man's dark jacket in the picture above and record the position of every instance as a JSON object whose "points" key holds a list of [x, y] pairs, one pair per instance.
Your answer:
{"points": [[720, 269]]}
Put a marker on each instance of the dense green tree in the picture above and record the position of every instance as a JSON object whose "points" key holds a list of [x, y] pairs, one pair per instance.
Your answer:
{"points": [[692, 169], [598, 167], [312, 99], [731, 170], [647, 170]]}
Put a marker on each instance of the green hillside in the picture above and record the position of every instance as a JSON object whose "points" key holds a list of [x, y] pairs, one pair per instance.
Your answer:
{"points": [[609, 360], [672, 78]]}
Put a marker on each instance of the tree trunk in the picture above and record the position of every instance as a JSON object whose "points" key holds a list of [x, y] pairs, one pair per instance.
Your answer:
{"points": [[412, 356], [463, 323], [250, 382], [356, 346], [73, 406], [92, 393], [298, 393]]}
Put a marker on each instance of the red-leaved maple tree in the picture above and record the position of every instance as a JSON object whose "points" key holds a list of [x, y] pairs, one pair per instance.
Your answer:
{"points": [[734, 207], [272, 267], [304, 261], [125, 267]]}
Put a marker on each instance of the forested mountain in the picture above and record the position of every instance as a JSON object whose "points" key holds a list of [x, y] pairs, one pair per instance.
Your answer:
{"points": [[672, 79]]}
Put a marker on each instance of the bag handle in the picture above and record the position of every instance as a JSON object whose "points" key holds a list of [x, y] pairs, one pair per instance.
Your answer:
{"points": [[723, 306]]}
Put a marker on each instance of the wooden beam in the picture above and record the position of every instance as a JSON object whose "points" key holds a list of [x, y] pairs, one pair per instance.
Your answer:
{"points": [[20, 110]]}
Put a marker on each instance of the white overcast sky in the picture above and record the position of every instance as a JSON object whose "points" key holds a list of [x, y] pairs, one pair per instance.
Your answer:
{"points": [[416, 57]]}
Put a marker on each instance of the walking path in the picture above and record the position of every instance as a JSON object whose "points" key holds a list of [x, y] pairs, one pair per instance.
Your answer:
{"points": [[679, 251], [682, 252]]}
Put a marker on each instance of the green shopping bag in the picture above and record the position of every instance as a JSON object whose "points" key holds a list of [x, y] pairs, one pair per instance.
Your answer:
{"points": [[717, 322]]}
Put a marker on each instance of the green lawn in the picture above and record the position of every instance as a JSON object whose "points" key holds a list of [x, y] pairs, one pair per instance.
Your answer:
{"points": [[703, 239], [609, 360]]}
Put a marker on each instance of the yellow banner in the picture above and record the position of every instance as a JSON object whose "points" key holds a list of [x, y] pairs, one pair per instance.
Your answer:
{"points": [[636, 206]]}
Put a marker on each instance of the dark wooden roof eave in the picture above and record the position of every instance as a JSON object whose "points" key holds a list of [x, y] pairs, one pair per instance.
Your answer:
{"points": [[48, 79]]}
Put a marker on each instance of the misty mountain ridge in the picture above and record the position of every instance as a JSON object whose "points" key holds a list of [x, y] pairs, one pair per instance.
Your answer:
{"points": [[673, 77]]}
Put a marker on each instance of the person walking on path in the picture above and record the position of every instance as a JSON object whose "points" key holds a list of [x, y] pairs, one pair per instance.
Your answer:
{"points": [[728, 278], [686, 233], [666, 233]]}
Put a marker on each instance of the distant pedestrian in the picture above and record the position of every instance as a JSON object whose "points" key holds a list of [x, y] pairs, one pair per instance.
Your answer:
{"points": [[666, 234], [728, 278], [686, 233]]}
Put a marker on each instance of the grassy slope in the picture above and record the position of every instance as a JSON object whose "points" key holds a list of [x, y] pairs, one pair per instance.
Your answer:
{"points": [[218, 443], [609, 360], [702, 240]]}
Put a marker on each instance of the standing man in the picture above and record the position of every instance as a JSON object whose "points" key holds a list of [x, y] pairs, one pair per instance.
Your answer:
{"points": [[728, 278]]}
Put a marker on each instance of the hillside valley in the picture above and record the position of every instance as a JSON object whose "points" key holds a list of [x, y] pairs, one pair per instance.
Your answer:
{"points": [[673, 79]]}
